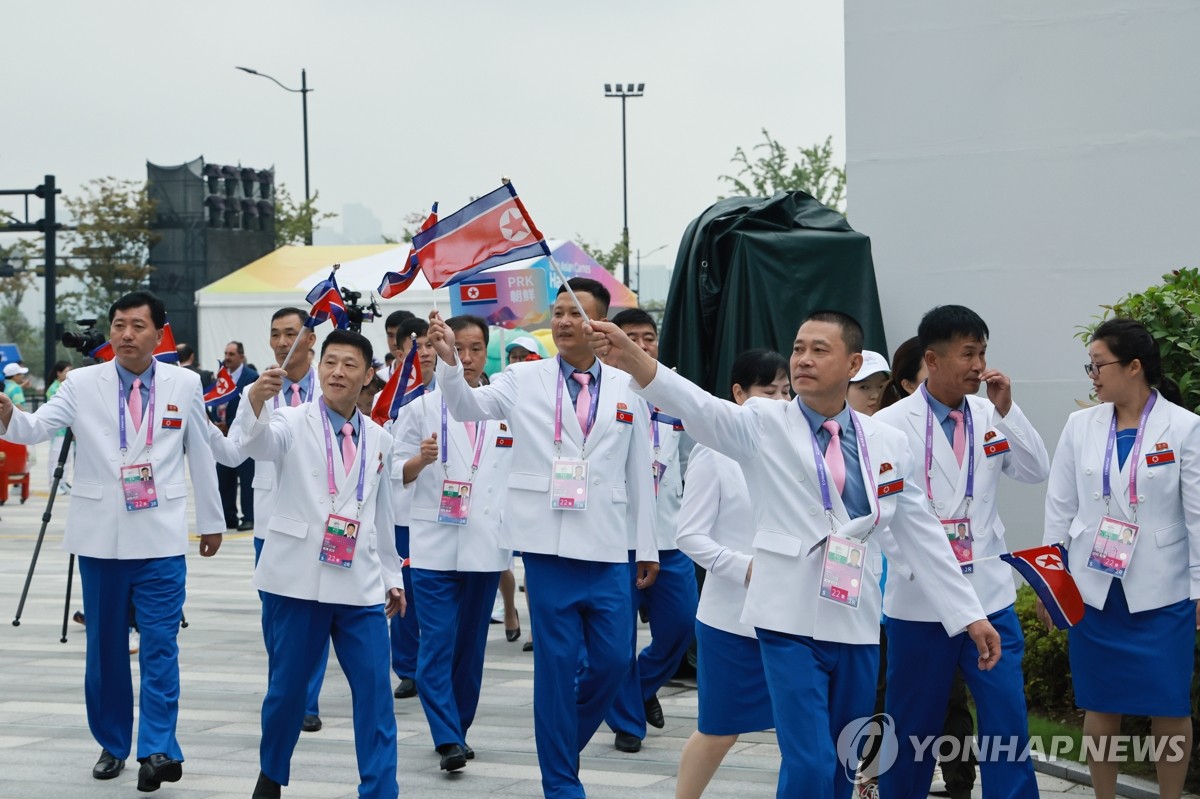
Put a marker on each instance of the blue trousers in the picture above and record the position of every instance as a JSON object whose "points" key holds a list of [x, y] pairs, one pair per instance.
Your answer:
{"points": [[671, 603], [456, 609], [302, 628], [817, 688], [406, 632], [581, 613], [920, 669], [312, 706], [154, 588]]}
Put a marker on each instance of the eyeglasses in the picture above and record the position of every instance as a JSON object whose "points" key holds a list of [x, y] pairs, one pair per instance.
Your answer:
{"points": [[1093, 369]]}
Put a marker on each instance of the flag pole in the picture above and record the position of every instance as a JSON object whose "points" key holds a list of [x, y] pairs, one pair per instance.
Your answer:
{"points": [[979, 560], [296, 340], [570, 290]]}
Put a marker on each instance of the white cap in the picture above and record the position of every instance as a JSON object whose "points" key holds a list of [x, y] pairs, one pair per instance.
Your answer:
{"points": [[873, 362], [14, 369], [526, 342]]}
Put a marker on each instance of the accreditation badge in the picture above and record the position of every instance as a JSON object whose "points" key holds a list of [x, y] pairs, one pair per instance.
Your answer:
{"points": [[958, 533], [1112, 548], [568, 484], [456, 502], [341, 537], [137, 481], [842, 572]]}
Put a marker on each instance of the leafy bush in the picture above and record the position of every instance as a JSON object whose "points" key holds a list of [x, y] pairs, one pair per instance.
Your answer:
{"points": [[1171, 312]]}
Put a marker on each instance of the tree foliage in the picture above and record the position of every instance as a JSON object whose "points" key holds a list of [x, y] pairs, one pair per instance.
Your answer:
{"points": [[293, 219], [110, 245], [767, 168], [410, 225], [611, 259], [1171, 312]]}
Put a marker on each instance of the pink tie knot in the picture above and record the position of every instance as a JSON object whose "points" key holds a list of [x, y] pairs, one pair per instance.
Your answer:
{"points": [[960, 439], [583, 403], [348, 448], [833, 454], [295, 400]]}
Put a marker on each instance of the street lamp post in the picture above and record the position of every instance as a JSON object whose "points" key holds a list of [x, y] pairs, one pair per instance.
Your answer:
{"points": [[639, 265], [303, 92], [623, 91]]}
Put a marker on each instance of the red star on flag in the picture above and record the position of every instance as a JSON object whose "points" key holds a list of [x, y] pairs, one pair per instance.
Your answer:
{"points": [[1050, 562], [513, 226]]}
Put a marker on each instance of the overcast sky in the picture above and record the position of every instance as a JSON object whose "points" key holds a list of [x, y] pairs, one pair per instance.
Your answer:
{"points": [[416, 102]]}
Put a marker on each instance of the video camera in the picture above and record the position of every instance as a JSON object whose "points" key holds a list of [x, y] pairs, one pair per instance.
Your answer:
{"points": [[356, 312], [87, 340]]}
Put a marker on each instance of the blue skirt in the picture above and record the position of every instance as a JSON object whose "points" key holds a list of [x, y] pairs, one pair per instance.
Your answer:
{"points": [[1138, 664], [731, 684]]}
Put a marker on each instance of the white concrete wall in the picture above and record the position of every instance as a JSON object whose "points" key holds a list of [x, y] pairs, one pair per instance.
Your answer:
{"points": [[1031, 160]]}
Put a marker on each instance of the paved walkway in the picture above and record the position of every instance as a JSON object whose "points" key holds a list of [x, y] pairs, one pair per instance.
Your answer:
{"points": [[47, 751]]}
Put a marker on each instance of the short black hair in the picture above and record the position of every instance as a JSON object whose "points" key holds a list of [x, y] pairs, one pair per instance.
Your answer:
{"points": [[852, 332], [410, 326], [634, 316], [352, 339], [463, 321], [140, 299], [944, 323], [593, 287], [186, 353], [757, 367], [397, 318], [290, 311]]}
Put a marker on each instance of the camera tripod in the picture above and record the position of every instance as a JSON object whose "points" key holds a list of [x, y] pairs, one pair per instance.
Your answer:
{"points": [[37, 548]]}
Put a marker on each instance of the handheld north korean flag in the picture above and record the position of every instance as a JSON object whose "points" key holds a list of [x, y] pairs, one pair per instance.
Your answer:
{"points": [[1045, 568], [223, 390], [395, 282], [404, 386]]}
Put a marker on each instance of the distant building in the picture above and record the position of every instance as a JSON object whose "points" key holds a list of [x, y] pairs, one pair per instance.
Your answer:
{"points": [[653, 283]]}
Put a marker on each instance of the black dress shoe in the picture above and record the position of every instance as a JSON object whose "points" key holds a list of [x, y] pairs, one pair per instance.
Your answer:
{"points": [[454, 756], [157, 769], [528, 647], [654, 714], [469, 752], [406, 689], [266, 788], [107, 766], [311, 723], [627, 743], [514, 633], [245, 526]]}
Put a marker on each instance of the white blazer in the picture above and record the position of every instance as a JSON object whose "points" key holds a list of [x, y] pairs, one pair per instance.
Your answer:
{"points": [[98, 525], [474, 546], [1166, 559], [713, 531], [674, 446], [1025, 461], [293, 439], [771, 440], [264, 474], [621, 489]]}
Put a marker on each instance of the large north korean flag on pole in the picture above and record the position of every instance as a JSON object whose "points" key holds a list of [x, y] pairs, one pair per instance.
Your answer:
{"points": [[493, 230]]}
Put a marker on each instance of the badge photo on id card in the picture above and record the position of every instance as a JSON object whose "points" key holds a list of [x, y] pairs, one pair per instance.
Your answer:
{"points": [[1112, 548], [137, 481], [841, 574], [456, 502], [958, 533], [341, 536], [568, 485]]}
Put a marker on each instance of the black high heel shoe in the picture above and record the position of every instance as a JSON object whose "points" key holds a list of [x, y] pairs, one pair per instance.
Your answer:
{"points": [[513, 635]]}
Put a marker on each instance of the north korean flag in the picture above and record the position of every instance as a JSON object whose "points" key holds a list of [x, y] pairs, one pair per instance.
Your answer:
{"points": [[404, 386], [396, 282], [477, 293], [1045, 569], [326, 301], [223, 390], [493, 230]]}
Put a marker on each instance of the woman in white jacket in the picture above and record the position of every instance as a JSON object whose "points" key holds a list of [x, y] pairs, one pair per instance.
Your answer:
{"points": [[1124, 496], [713, 530]]}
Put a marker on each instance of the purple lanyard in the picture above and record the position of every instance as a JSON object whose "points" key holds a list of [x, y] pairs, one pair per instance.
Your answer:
{"points": [[307, 399], [1133, 454], [362, 454], [970, 434], [480, 430], [654, 430], [591, 420], [823, 477], [149, 415]]}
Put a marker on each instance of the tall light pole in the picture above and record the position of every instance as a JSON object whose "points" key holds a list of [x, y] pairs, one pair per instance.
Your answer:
{"points": [[623, 91], [303, 92], [639, 264]]}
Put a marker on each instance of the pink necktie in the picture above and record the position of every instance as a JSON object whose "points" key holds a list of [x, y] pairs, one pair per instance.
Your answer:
{"points": [[348, 449], [295, 400], [135, 404], [470, 431], [833, 454], [583, 403], [960, 440]]}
